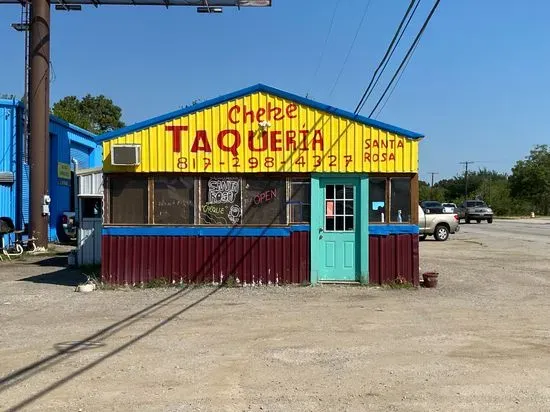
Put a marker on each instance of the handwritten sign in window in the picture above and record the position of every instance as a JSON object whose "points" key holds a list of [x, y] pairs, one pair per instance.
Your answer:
{"points": [[174, 200], [220, 201]]}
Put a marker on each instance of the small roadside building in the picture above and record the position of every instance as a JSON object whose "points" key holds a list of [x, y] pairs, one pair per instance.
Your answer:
{"points": [[70, 147], [262, 186]]}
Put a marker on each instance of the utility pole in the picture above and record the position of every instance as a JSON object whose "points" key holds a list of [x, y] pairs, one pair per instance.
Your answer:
{"points": [[466, 177], [39, 111], [432, 185]]}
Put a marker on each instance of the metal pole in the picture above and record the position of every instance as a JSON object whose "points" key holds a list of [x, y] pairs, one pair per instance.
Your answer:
{"points": [[39, 118], [466, 177]]}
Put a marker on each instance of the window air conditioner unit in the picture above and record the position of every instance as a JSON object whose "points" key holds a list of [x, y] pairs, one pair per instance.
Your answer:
{"points": [[126, 155]]}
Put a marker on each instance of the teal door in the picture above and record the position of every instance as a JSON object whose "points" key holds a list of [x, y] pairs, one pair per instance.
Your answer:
{"points": [[337, 231]]}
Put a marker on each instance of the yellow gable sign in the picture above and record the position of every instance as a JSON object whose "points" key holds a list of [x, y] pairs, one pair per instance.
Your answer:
{"points": [[263, 132]]}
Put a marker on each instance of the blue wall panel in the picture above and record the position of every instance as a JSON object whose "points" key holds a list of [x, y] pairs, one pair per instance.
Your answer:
{"points": [[67, 141], [82, 154]]}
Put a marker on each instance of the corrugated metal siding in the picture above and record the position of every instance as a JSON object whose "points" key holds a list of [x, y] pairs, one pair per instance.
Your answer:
{"points": [[64, 147], [8, 139], [90, 184], [81, 154], [393, 256], [89, 242], [348, 146], [26, 193], [136, 259]]}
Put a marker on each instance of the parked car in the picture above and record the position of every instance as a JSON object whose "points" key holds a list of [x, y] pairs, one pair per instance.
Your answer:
{"points": [[449, 208], [69, 227], [436, 224], [475, 210], [432, 205]]}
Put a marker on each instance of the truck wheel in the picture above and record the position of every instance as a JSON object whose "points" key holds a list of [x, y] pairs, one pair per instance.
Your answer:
{"points": [[423, 237], [478, 220], [441, 233], [490, 220], [467, 220]]}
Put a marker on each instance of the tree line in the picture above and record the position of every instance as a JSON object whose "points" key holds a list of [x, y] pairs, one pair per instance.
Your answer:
{"points": [[525, 190]]}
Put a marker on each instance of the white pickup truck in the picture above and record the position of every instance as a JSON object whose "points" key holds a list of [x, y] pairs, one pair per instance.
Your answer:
{"points": [[438, 225]]}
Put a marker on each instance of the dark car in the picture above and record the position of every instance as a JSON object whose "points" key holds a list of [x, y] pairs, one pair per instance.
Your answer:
{"points": [[475, 210], [432, 205]]}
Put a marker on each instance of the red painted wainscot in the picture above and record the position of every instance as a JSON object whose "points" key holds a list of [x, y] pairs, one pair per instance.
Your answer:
{"points": [[392, 256], [199, 259]]}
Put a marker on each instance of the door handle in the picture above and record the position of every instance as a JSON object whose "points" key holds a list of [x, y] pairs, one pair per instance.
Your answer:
{"points": [[320, 229]]}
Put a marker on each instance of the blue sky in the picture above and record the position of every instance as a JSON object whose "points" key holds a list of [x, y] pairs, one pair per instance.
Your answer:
{"points": [[477, 85]]}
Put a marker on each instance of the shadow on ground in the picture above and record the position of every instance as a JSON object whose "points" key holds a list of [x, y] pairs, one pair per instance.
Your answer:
{"points": [[65, 276], [62, 277]]}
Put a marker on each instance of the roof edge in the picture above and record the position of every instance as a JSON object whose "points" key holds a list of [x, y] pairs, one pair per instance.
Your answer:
{"points": [[53, 118], [11, 102], [249, 90], [73, 127]]}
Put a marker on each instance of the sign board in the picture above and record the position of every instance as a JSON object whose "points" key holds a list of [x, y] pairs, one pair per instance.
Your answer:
{"points": [[266, 133], [63, 170]]}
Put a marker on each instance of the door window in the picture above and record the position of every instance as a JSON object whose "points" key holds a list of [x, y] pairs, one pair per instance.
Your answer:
{"points": [[339, 208]]}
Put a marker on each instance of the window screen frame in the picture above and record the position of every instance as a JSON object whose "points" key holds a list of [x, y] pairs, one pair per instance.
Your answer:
{"points": [[198, 191], [413, 182]]}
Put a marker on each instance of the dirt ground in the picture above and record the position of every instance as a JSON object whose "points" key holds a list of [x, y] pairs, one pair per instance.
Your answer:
{"points": [[479, 341]]}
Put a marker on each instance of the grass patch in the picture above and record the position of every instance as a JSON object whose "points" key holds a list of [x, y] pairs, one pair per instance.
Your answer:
{"points": [[157, 283], [399, 283]]}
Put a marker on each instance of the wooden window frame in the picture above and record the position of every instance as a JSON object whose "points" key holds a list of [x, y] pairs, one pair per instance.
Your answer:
{"points": [[413, 196]]}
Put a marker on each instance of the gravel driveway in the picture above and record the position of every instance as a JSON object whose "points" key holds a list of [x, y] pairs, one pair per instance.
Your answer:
{"points": [[480, 341]]}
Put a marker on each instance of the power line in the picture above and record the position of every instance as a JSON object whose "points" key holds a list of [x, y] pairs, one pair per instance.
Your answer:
{"points": [[393, 88], [357, 109], [409, 53], [388, 60], [350, 48], [326, 42]]}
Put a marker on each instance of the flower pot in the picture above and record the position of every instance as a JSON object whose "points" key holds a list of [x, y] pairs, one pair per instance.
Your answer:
{"points": [[430, 279]]}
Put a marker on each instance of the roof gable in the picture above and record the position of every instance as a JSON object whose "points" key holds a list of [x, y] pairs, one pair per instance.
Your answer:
{"points": [[250, 90]]}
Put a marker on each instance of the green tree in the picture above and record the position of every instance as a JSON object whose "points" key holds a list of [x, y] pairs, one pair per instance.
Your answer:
{"points": [[530, 180], [97, 114]]}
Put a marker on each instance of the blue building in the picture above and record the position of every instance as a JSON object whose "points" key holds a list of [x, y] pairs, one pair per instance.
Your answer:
{"points": [[70, 147]]}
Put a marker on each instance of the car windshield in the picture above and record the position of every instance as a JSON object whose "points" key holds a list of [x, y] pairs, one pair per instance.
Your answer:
{"points": [[431, 204], [448, 205], [475, 204]]}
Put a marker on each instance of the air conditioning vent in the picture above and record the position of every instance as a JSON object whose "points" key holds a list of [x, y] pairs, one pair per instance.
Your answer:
{"points": [[6, 177], [126, 155]]}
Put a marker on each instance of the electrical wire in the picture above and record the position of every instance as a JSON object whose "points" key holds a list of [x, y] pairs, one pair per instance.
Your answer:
{"points": [[385, 55], [350, 48], [326, 42], [362, 104], [394, 86], [409, 53]]}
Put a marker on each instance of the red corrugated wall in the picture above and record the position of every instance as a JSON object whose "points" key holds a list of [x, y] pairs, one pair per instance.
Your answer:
{"points": [[392, 256], [195, 259]]}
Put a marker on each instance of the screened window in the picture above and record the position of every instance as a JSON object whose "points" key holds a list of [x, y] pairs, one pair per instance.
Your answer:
{"points": [[264, 201], [220, 201], [377, 200], [174, 200], [129, 199], [400, 200], [300, 201]]}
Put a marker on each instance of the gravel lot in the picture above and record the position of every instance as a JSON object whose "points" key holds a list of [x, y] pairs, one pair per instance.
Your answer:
{"points": [[480, 341]]}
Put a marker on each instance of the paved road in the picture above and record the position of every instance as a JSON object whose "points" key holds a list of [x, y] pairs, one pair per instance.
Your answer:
{"points": [[537, 230]]}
